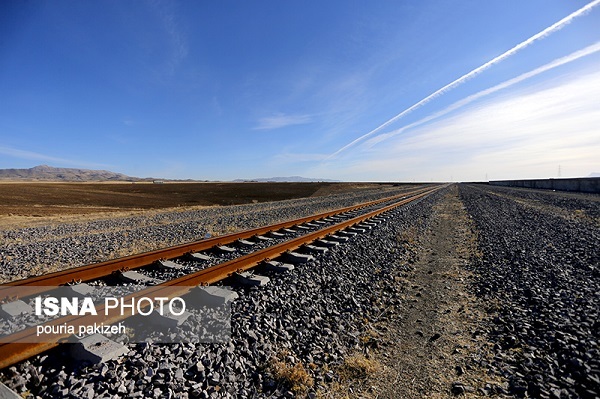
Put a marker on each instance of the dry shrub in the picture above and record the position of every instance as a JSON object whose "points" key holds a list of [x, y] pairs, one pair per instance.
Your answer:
{"points": [[357, 367], [369, 336], [295, 376]]}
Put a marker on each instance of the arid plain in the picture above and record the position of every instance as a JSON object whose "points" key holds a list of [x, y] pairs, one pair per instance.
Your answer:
{"points": [[25, 204]]}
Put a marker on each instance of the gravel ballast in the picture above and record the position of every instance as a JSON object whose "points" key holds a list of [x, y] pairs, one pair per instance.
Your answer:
{"points": [[535, 271], [306, 320], [38, 250], [540, 274]]}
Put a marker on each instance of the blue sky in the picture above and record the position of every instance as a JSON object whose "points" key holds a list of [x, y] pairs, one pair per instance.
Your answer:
{"points": [[223, 90]]}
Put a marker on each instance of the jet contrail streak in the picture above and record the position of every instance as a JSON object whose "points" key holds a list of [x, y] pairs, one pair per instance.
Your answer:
{"points": [[592, 49], [551, 29]]}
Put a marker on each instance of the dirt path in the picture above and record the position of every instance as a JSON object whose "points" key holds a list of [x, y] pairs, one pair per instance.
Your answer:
{"points": [[432, 345]]}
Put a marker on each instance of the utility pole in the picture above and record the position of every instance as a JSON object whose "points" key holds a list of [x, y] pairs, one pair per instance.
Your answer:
{"points": [[558, 170]]}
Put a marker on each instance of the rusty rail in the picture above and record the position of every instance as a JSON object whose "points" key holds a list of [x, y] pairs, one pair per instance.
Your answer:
{"points": [[20, 349], [34, 285]]}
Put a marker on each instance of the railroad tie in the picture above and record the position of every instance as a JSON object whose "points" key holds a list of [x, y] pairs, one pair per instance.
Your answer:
{"points": [[138, 278], [314, 249], [337, 238], [262, 238], [274, 234], [355, 230], [170, 265], [7, 393], [199, 256], [96, 348], [250, 279], [295, 257], [275, 266], [223, 249], [212, 295], [364, 226], [326, 243], [10, 310], [168, 319]]}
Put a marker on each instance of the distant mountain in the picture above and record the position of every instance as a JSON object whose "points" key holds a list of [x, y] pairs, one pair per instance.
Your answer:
{"points": [[49, 173], [594, 175], [289, 179]]}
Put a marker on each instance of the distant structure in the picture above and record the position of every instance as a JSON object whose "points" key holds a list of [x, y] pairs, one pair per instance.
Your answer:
{"points": [[580, 184], [158, 181]]}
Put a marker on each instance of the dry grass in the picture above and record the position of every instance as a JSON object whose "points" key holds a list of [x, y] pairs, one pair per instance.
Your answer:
{"points": [[369, 336], [294, 375], [354, 378], [357, 367], [409, 237]]}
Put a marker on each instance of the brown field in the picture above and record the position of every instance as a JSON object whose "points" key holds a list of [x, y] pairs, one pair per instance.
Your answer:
{"points": [[43, 200]]}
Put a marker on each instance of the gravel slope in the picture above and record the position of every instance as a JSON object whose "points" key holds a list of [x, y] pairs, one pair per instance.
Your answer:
{"points": [[38, 250], [305, 321], [536, 270], [540, 275]]}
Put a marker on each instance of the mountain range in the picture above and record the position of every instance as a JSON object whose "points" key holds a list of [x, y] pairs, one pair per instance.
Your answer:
{"points": [[50, 173]]}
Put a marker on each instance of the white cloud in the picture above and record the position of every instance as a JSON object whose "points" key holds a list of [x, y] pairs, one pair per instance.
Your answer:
{"points": [[521, 135], [469, 75], [592, 49], [281, 120]]}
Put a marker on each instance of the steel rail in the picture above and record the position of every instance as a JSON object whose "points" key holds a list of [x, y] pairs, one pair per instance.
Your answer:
{"points": [[21, 347], [35, 285]]}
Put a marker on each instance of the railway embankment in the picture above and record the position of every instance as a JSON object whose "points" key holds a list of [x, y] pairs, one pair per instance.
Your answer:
{"points": [[472, 291], [540, 276], [289, 338]]}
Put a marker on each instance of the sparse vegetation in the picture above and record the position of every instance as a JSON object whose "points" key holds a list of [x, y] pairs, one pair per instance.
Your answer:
{"points": [[369, 336], [409, 237], [287, 370], [354, 377], [357, 366]]}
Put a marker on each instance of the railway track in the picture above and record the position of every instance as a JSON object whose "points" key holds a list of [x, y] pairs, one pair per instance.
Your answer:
{"points": [[308, 230]]}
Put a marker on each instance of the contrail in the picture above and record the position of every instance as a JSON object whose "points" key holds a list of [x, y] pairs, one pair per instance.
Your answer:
{"points": [[589, 50], [549, 30]]}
